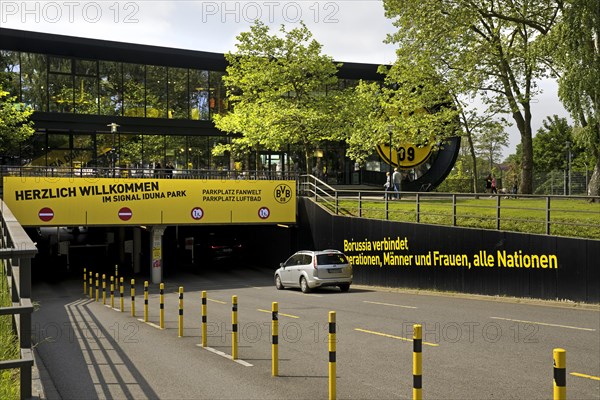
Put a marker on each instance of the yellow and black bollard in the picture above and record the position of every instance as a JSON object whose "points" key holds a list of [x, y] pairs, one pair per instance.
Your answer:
{"points": [[234, 328], [91, 281], [332, 361], [84, 281], [275, 339], [121, 290], [560, 374], [133, 297], [204, 318], [145, 301], [180, 325], [104, 289], [417, 362], [97, 286], [162, 306], [112, 292]]}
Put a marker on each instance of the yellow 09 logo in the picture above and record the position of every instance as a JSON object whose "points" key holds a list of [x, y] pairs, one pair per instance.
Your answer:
{"points": [[406, 156]]}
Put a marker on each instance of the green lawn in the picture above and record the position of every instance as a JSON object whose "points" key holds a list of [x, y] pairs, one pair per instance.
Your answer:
{"points": [[568, 217], [9, 348]]}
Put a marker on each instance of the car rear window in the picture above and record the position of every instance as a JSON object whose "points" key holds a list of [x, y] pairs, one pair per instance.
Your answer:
{"points": [[331, 258]]}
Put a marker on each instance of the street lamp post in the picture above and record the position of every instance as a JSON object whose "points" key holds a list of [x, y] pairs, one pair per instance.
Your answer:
{"points": [[113, 130], [390, 143], [567, 190]]}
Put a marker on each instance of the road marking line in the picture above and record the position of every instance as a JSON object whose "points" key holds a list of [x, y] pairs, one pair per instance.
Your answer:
{"points": [[217, 301], [393, 337], [595, 378], [285, 315], [304, 294], [220, 353], [545, 324], [387, 304], [151, 324]]}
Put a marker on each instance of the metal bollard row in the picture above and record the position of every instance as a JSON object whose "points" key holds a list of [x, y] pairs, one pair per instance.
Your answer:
{"points": [[559, 355]]}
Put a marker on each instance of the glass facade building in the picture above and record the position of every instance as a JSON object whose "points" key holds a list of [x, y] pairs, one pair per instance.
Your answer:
{"points": [[79, 87], [102, 104]]}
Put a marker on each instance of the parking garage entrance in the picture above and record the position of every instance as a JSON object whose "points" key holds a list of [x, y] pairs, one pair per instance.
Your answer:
{"points": [[141, 219]]}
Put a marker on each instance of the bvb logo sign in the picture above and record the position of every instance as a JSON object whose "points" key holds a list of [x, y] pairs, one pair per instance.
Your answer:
{"points": [[282, 193]]}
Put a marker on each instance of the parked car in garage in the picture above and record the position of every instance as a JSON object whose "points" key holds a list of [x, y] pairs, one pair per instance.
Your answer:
{"points": [[309, 269], [220, 247]]}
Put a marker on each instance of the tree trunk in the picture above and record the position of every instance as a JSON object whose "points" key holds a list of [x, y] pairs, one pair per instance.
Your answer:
{"points": [[526, 185], [473, 159], [594, 185], [308, 159]]}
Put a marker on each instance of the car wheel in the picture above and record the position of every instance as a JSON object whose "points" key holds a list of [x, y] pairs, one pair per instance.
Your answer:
{"points": [[345, 287], [278, 283], [304, 285]]}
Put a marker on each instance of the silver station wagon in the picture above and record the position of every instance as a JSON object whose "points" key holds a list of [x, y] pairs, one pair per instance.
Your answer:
{"points": [[312, 269]]}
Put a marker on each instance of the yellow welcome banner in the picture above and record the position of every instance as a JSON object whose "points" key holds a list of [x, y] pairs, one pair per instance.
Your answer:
{"points": [[82, 201]]}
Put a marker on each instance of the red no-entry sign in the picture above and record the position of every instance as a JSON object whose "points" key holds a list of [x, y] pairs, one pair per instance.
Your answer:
{"points": [[46, 214], [125, 214]]}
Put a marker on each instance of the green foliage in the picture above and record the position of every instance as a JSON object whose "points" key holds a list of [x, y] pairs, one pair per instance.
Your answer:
{"points": [[487, 48], [15, 126], [574, 218], [413, 105], [489, 141], [9, 348], [277, 89], [549, 144], [575, 49]]}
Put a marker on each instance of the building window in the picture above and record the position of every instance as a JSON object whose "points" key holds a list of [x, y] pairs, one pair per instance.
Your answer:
{"points": [[11, 79], [34, 81], [134, 90], [178, 93], [156, 92], [199, 95], [111, 88], [60, 93]]}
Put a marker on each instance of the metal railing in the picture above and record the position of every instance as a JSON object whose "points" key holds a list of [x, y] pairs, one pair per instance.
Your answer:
{"points": [[148, 173], [553, 215], [16, 252]]}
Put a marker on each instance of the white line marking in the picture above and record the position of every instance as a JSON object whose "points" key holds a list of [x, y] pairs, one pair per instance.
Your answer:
{"points": [[279, 313], [220, 353], [388, 304], [387, 335], [592, 377], [545, 324], [304, 294], [217, 301], [152, 324]]}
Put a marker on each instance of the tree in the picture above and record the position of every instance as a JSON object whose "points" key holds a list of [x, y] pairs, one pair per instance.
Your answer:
{"points": [[474, 124], [15, 126], [550, 144], [277, 90], [487, 47], [576, 54], [489, 142], [412, 106]]}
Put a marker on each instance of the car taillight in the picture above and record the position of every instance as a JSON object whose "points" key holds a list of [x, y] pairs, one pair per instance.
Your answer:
{"points": [[315, 262]]}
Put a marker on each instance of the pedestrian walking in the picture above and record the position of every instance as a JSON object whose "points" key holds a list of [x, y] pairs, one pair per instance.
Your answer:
{"points": [[397, 181], [387, 185]]}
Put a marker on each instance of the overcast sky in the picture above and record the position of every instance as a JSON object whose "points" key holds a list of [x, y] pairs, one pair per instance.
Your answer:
{"points": [[349, 30]]}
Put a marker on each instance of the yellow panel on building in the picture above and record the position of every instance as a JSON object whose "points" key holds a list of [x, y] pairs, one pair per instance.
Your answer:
{"points": [[83, 201]]}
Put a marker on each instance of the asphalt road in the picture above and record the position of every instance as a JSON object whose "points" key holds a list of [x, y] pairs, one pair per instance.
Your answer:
{"points": [[473, 347]]}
